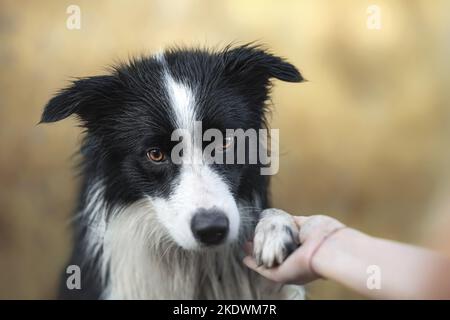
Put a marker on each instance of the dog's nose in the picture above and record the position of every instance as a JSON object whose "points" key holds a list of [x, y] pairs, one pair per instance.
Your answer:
{"points": [[210, 227]]}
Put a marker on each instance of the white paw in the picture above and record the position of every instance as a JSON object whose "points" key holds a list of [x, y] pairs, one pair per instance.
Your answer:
{"points": [[276, 236]]}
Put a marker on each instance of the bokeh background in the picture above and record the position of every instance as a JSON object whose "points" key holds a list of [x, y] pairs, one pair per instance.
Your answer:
{"points": [[365, 140]]}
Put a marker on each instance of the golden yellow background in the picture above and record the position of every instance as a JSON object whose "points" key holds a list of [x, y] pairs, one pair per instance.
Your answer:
{"points": [[365, 140]]}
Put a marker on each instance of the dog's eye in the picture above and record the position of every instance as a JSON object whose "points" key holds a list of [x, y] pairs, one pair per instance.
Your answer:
{"points": [[156, 155], [227, 143]]}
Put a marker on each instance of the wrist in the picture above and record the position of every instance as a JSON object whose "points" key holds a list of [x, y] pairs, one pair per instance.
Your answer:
{"points": [[334, 252]]}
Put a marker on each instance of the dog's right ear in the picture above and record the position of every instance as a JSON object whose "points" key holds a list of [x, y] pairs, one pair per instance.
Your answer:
{"points": [[83, 97]]}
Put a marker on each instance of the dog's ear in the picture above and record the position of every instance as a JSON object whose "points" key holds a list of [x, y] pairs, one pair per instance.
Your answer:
{"points": [[255, 63], [83, 97]]}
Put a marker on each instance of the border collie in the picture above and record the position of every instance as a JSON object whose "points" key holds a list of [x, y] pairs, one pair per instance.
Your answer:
{"points": [[147, 227]]}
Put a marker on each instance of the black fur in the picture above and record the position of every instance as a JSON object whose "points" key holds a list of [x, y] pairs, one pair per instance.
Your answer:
{"points": [[127, 112]]}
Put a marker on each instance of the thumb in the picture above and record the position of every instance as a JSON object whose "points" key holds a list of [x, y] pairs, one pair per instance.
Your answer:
{"points": [[300, 220]]}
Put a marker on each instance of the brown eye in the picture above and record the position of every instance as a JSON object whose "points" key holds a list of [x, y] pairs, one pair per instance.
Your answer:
{"points": [[156, 155], [227, 142]]}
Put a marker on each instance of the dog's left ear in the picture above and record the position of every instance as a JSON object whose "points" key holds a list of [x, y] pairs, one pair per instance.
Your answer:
{"points": [[254, 63]]}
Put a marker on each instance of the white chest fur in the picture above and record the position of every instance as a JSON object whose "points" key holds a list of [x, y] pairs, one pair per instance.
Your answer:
{"points": [[140, 262]]}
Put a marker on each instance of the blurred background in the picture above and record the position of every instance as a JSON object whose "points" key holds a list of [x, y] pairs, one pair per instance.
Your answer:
{"points": [[365, 140]]}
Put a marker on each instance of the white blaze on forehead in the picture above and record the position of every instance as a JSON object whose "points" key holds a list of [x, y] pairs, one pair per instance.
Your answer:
{"points": [[182, 101], [183, 105], [198, 186]]}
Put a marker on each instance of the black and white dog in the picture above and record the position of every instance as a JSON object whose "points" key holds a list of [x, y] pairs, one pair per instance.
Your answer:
{"points": [[149, 228]]}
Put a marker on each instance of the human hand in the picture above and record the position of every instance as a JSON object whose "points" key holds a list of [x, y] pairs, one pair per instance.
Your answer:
{"points": [[298, 268]]}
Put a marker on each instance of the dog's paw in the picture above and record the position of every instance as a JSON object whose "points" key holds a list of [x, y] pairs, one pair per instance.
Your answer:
{"points": [[276, 236]]}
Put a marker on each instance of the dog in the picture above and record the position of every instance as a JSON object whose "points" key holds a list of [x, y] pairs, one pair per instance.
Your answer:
{"points": [[146, 227]]}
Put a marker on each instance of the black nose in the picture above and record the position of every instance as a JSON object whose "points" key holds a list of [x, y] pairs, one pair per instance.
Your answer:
{"points": [[210, 227]]}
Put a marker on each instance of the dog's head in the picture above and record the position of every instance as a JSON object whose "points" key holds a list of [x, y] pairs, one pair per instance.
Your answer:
{"points": [[133, 118]]}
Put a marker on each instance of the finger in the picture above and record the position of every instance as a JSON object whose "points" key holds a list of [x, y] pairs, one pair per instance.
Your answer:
{"points": [[300, 220], [250, 262]]}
